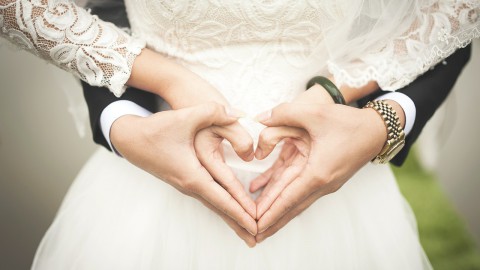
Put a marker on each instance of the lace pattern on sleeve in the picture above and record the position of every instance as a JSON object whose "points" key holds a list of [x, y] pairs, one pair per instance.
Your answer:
{"points": [[70, 37], [438, 30]]}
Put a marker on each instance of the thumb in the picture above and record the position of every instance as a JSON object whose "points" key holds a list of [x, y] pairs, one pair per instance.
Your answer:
{"points": [[287, 114], [209, 114], [271, 136]]}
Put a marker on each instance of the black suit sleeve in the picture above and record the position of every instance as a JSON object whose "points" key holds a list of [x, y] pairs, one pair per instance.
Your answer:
{"points": [[98, 98], [428, 92]]}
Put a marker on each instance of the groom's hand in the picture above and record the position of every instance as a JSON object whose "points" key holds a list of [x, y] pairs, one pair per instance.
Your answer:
{"points": [[209, 150], [342, 140], [163, 145], [336, 140]]}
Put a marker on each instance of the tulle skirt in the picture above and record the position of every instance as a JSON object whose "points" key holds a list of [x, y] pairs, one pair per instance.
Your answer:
{"points": [[116, 216]]}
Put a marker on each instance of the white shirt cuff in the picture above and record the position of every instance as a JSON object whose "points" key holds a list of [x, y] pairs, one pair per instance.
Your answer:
{"points": [[407, 105], [114, 111]]}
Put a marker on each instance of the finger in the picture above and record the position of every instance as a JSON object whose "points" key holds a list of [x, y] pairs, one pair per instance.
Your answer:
{"points": [[277, 168], [239, 138], [288, 114], [287, 218], [273, 190], [224, 175], [271, 136], [291, 196], [208, 114], [261, 180], [213, 193], [241, 232]]}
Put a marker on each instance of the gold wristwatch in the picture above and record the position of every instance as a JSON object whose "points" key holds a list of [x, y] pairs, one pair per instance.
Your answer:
{"points": [[395, 137]]}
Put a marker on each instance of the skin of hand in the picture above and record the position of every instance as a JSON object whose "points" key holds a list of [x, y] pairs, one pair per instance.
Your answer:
{"points": [[163, 144], [181, 88], [177, 85], [315, 131]]}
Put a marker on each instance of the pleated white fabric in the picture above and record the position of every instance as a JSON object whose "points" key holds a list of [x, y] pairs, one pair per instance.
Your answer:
{"points": [[115, 216]]}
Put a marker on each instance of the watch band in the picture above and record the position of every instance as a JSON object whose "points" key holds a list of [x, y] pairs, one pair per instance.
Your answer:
{"points": [[395, 135]]}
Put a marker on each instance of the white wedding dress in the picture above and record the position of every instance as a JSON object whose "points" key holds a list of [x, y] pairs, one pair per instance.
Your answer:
{"points": [[258, 54]]}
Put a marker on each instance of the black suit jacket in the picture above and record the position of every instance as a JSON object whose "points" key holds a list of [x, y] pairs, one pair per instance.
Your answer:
{"points": [[427, 92]]}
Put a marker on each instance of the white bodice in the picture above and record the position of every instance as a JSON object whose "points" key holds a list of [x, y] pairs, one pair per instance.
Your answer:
{"points": [[251, 48], [257, 54], [271, 48]]}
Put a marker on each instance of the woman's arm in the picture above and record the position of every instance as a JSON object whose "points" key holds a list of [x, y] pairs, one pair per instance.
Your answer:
{"points": [[98, 52], [178, 86], [68, 36]]}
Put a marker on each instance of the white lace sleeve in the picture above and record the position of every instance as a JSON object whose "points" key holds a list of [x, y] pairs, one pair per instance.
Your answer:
{"points": [[433, 30], [70, 37]]}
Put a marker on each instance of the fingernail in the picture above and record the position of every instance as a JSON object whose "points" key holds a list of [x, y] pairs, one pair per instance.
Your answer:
{"points": [[259, 153], [233, 112], [259, 239], [261, 230], [251, 156], [260, 210], [263, 116]]}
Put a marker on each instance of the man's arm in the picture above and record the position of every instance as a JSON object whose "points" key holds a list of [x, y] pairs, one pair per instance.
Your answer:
{"points": [[98, 99], [428, 92]]}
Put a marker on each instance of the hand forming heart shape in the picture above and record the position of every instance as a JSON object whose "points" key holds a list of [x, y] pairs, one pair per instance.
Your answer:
{"points": [[319, 137]]}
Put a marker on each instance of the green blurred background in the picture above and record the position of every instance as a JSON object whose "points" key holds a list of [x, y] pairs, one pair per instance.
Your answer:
{"points": [[442, 231]]}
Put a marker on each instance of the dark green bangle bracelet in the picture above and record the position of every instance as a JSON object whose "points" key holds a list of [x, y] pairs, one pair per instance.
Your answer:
{"points": [[329, 86]]}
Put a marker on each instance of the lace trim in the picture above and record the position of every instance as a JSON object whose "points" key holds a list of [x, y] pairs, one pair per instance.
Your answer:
{"points": [[393, 72], [71, 38], [398, 76]]}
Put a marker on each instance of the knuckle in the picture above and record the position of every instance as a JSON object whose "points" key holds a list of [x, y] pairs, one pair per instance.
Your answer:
{"points": [[189, 185], [216, 108], [321, 179], [183, 116], [316, 111], [266, 137], [284, 106], [244, 144], [215, 130], [335, 186], [209, 108], [289, 202]]}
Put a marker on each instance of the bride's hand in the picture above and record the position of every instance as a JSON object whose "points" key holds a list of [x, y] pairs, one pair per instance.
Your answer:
{"points": [[163, 145], [183, 88]]}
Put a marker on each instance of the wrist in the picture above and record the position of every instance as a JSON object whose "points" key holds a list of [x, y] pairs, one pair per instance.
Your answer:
{"points": [[351, 94], [315, 94], [399, 110], [329, 87], [377, 130], [408, 109], [122, 131], [395, 135], [177, 85]]}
